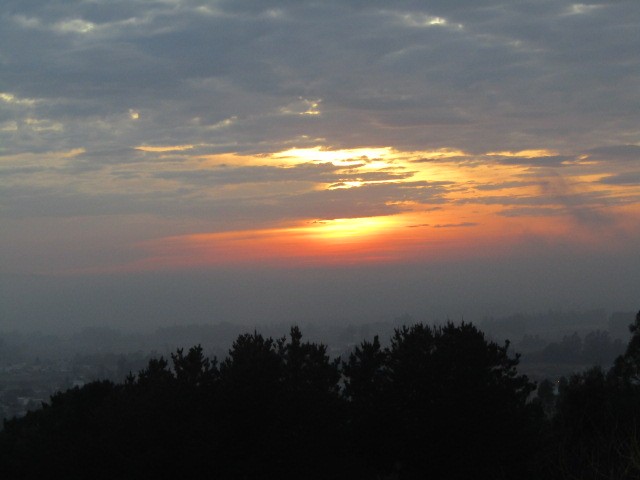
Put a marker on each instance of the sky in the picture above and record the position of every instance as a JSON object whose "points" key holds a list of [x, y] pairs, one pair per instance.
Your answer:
{"points": [[184, 161]]}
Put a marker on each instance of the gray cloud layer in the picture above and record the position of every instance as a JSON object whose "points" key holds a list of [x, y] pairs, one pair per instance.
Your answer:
{"points": [[475, 75], [243, 76]]}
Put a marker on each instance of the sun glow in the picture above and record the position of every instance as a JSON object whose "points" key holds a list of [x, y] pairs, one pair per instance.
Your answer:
{"points": [[349, 229], [392, 205], [314, 242]]}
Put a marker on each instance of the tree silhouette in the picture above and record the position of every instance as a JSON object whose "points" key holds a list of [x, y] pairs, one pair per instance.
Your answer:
{"points": [[194, 369], [441, 391], [281, 397], [441, 402], [627, 366], [597, 419], [367, 388]]}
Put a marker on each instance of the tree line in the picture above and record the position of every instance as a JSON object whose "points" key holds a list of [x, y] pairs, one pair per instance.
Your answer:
{"points": [[437, 402]]}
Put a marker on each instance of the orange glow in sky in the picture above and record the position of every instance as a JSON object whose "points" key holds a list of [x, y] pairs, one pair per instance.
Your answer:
{"points": [[350, 241], [429, 205]]}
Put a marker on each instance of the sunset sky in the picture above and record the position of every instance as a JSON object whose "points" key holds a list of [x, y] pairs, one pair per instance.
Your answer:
{"points": [[179, 161]]}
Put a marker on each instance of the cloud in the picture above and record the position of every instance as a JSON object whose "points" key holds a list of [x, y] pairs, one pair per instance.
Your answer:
{"points": [[627, 178], [543, 161], [531, 212], [505, 185], [588, 208], [372, 69], [305, 172], [615, 152], [455, 225]]}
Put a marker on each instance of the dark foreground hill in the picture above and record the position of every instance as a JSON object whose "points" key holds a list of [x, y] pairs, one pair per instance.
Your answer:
{"points": [[440, 403]]}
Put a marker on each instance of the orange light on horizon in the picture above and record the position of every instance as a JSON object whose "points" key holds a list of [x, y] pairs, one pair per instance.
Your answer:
{"points": [[351, 240], [346, 241], [412, 237]]}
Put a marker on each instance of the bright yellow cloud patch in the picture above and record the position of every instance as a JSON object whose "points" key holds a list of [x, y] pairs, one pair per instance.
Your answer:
{"points": [[325, 155], [525, 153], [164, 148]]}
